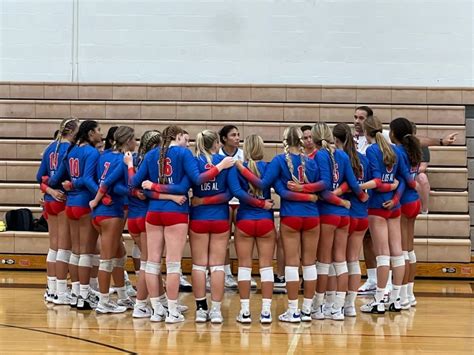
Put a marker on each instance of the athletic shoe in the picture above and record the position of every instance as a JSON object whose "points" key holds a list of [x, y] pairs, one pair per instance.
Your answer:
{"points": [[215, 316], [368, 288], [393, 306], [88, 303], [126, 302], [202, 316], [412, 301], [229, 281], [174, 318], [158, 315], [317, 313], [62, 299], [279, 281], [73, 300], [141, 312], [405, 304], [373, 307], [244, 317], [181, 308], [48, 297], [265, 317], [110, 307], [327, 311], [350, 311], [337, 313], [306, 314], [253, 283], [131, 292], [184, 285], [290, 317]]}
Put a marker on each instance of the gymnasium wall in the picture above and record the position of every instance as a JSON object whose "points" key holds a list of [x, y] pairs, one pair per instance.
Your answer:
{"points": [[353, 42]]}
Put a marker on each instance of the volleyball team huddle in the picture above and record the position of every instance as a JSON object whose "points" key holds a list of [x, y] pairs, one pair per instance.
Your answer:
{"points": [[328, 202]]}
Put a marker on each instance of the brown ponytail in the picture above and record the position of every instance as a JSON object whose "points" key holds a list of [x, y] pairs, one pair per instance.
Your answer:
{"points": [[169, 134], [342, 131]]}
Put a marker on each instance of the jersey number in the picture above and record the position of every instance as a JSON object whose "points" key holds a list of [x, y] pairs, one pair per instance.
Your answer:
{"points": [[53, 161], [106, 169], [74, 167], [301, 174], [167, 168], [335, 173]]}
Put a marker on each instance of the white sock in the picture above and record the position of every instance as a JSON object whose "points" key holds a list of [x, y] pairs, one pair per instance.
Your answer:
{"points": [[75, 286], [141, 303], [121, 292], [227, 269], [403, 293], [395, 294], [372, 275], [84, 291], [52, 284], [137, 272], [330, 297], [216, 305], [163, 300], [173, 306], [350, 299], [61, 286], [266, 304], [318, 300], [125, 276], [94, 283], [307, 303], [410, 289], [379, 294], [245, 305], [104, 298], [293, 305], [389, 280], [340, 299], [155, 303]]}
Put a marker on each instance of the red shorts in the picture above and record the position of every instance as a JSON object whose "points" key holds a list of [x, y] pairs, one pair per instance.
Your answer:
{"points": [[96, 220], [76, 212], [256, 227], [300, 223], [384, 213], [45, 214], [54, 208], [136, 225], [337, 221], [166, 218], [234, 207], [411, 209], [358, 225], [206, 226]]}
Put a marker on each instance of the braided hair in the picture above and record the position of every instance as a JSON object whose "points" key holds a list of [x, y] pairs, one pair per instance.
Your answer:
{"points": [[148, 141], [169, 134], [342, 131], [66, 127], [293, 137]]}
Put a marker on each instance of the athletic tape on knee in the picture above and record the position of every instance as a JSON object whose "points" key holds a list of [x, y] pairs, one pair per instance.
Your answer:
{"points": [[216, 268], [341, 268], [383, 260], [266, 274], [136, 252], [322, 268], [152, 268], [142, 265], [74, 259], [397, 261], [173, 267], [354, 268], [291, 273], [96, 260], [405, 255], [85, 260], [120, 262], [63, 256], [244, 273], [106, 265], [332, 270], [199, 268], [52, 255], [412, 256], [310, 273]]}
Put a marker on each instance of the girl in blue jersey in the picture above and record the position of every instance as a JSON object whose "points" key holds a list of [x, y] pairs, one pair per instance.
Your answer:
{"points": [[57, 260], [79, 178], [169, 167], [254, 225], [384, 218], [409, 151]]}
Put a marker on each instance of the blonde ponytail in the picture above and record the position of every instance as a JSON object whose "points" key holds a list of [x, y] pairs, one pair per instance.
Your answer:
{"points": [[204, 142], [293, 137]]}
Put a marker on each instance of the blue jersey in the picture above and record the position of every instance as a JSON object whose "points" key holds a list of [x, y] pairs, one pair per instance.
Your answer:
{"points": [[212, 187], [385, 174], [108, 163], [358, 208], [334, 176], [79, 167], [52, 156], [240, 188], [406, 176]]}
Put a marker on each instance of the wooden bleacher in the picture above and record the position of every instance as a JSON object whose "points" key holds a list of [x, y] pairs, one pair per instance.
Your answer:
{"points": [[31, 112]]}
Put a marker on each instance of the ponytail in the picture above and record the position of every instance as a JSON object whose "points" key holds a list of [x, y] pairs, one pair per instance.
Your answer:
{"points": [[402, 130], [373, 128], [253, 152], [342, 131], [322, 137], [293, 137], [204, 142], [169, 134]]}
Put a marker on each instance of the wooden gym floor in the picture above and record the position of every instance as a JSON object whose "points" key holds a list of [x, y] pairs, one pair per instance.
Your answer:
{"points": [[443, 322]]}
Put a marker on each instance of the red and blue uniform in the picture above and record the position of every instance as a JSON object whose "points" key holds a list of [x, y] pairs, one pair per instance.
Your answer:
{"points": [[52, 156], [252, 218], [406, 191], [80, 168], [358, 211]]}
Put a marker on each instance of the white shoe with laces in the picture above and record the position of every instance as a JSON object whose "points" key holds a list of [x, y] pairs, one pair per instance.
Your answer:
{"points": [[159, 314], [265, 317], [405, 304], [141, 312], [62, 299], [290, 317], [244, 317], [174, 318], [202, 316], [327, 311], [350, 311], [368, 288], [337, 313], [131, 292], [126, 302], [215, 315], [317, 313], [229, 281], [373, 307], [109, 307], [412, 300], [306, 314]]}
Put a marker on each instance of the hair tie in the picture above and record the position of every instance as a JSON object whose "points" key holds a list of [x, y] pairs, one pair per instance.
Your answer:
{"points": [[407, 135]]}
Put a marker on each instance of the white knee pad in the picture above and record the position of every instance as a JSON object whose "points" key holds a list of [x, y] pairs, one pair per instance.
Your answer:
{"points": [[354, 268], [341, 268], [96, 260], [291, 273], [136, 252], [63, 256], [310, 273], [74, 259], [142, 265], [244, 273], [106, 265], [412, 256], [217, 268], [266, 274], [119, 262], [199, 268], [85, 260], [397, 261], [323, 269], [153, 268], [332, 270], [173, 267], [405, 255], [52, 255], [383, 260]]}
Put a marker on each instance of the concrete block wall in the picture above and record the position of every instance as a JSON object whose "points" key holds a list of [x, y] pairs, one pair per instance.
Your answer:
{"points": [[470, 164]]}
